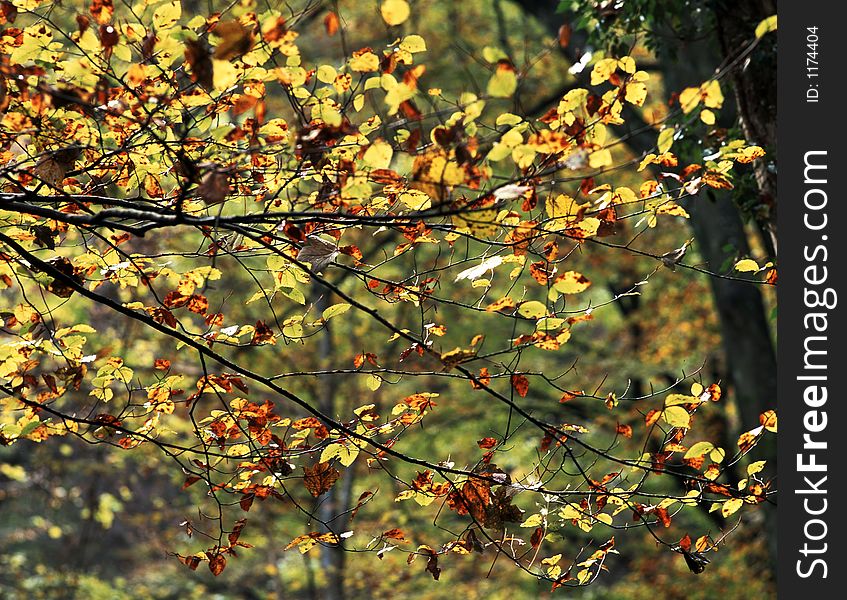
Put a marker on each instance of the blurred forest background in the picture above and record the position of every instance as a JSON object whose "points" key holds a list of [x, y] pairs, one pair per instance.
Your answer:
{"points": [[87, 522]]}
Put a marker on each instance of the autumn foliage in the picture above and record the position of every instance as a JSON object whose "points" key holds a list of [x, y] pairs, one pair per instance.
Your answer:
{"points": [[282, 274]]}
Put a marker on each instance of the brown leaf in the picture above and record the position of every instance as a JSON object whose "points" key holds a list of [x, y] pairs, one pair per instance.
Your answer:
{"points": [[214, 188], [109, 36], [487, 443], [192, 562], [318, 253], [198, 303], [263, 335], [432, 562], [472, 498], [320, 478], [246, 502], [58, 287], [199, 59], [652, 417], [483, 379], [714, 392], [235, 40], [360, 502], [217, 564]]}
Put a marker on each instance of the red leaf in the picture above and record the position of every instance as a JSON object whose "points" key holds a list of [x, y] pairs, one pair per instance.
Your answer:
{"points": [[685, 542], [536, 538], [190, 480], [564, 35], [487, 443]]}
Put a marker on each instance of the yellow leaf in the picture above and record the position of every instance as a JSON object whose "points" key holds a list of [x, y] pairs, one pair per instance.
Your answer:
{"points": [[665, 140], [532, 309], [571, 282], [712, 94], [746, 265], [689, 99], [604, 518], [676, 416], [627, 64], [602, 70], [167, 15], [225, 74], [599, 159], [326, 73], [707, 116], [504, 82], [373, 382], [717, 455], [766, 26], [413, 44], [697, 450], [334, 311], [416, 200], [394, 12], [755, 467], [636, 93], [731, 506], [365, 62], [378, 155], [533, 521]]}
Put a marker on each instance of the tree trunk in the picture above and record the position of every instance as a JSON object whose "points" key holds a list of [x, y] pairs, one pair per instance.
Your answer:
{"points": [[337, 498]]}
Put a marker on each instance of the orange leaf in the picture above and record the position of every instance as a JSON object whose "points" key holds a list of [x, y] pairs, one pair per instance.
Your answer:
{"points": [[624, 430], [521, 385], [331, 23]]}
